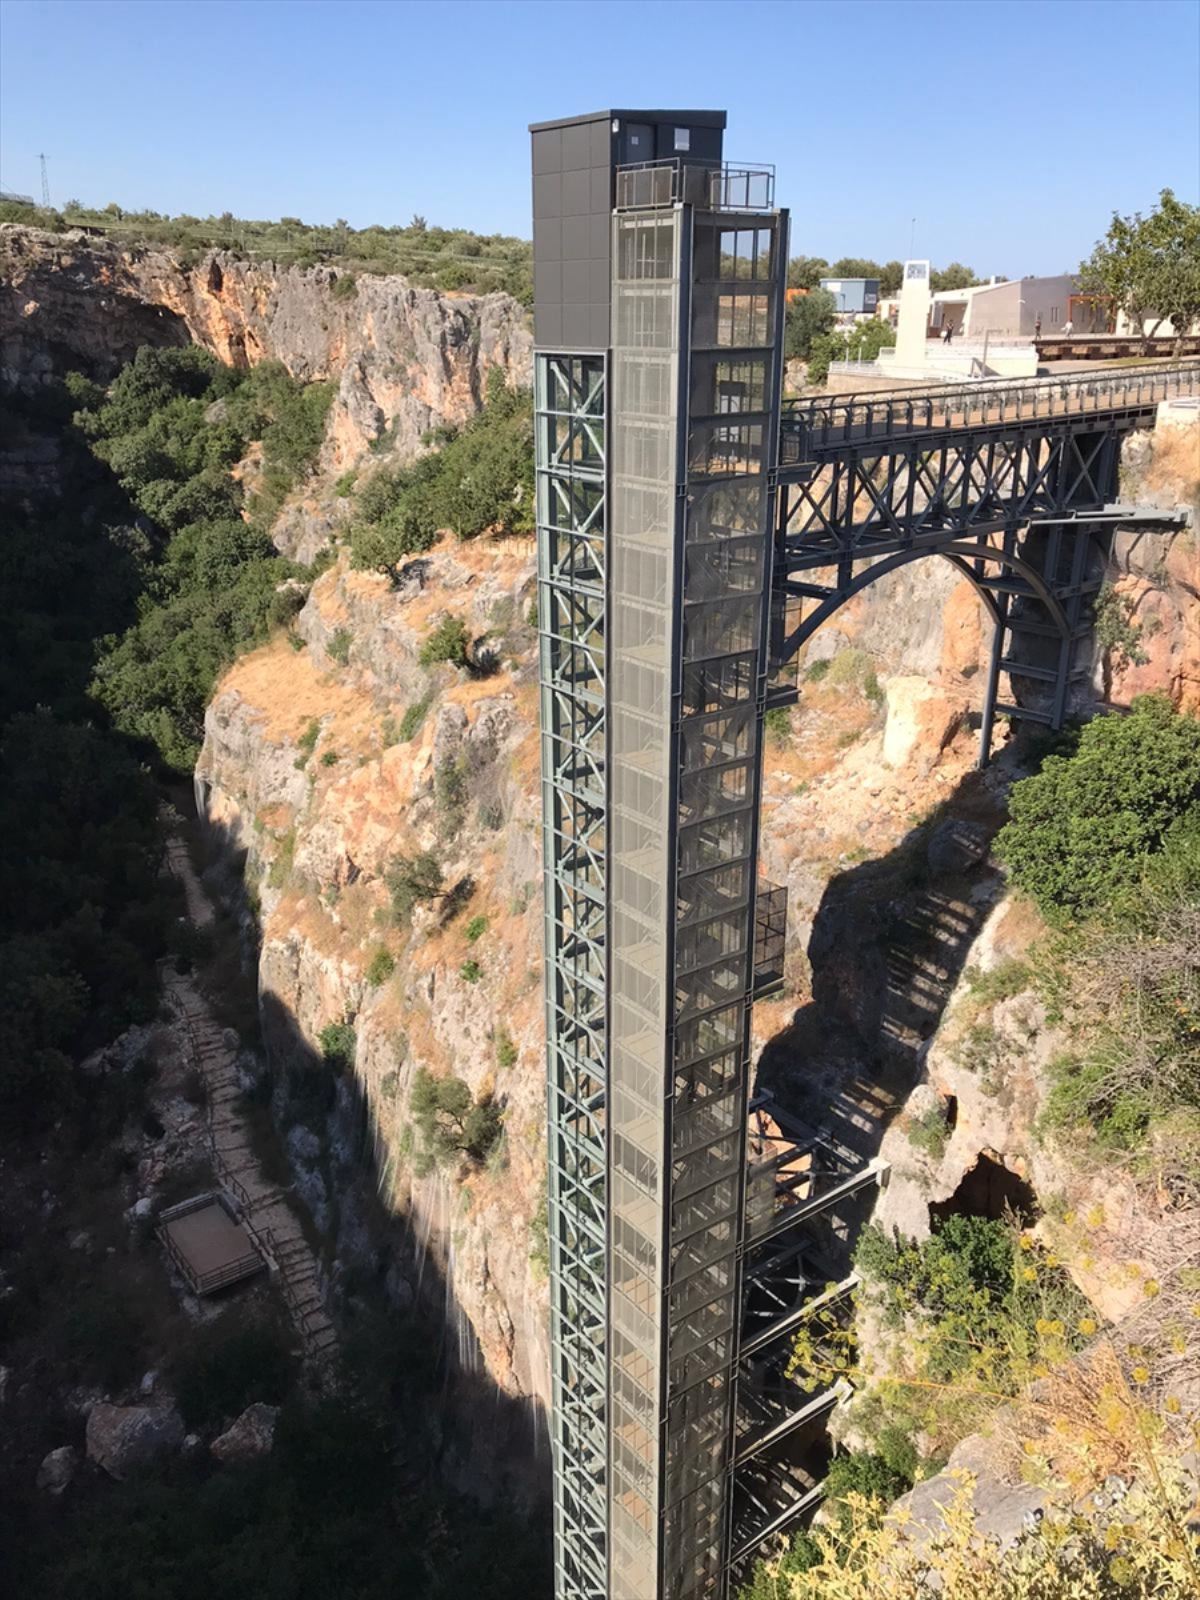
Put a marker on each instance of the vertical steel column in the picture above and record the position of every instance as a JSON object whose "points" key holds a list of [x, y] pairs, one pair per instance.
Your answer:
{"points": [[571, 469]]}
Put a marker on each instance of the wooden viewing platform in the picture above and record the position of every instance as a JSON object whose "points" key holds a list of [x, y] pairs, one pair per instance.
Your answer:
{"points": [[209, 1245]]}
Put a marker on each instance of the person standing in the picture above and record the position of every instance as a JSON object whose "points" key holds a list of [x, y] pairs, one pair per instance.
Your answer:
{"points": [[1037, 326]]}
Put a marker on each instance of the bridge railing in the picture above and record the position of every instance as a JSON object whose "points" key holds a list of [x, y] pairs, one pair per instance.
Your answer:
{"points": [[844, 419]]}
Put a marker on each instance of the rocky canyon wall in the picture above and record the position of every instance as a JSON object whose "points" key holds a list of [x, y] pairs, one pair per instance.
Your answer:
{"points": [[404, 359], [330, 755]]}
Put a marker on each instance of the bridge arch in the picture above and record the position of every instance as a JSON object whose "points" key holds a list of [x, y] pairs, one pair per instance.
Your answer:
{"points": [[960, 554]]}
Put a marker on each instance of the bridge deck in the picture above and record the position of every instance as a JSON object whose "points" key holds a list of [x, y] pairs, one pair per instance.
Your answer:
{"points": [[814, 428]]}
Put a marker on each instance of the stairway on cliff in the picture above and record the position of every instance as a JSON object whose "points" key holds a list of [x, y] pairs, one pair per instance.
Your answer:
{"points": [[262, 1204], [890, 941]]}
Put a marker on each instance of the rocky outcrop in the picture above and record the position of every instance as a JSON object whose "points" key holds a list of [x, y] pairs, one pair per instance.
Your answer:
{"points": [[124, 1439], [404, 359], [58, 1469], [310, 767], [250, 1437]]}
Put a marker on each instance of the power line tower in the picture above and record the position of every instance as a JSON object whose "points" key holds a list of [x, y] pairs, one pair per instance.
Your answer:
{"points": [[45, 184]]}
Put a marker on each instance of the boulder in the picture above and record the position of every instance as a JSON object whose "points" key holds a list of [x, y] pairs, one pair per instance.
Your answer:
{"points": [[58, 1469], [122, 1439], [251, 1436]]}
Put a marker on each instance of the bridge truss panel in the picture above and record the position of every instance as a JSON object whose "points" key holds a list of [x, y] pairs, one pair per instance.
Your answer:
{"points": [[571, 466], [1005, 499]]}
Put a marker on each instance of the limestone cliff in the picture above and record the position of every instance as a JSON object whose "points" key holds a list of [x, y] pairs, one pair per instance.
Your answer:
{"points": [[874, 819], [404, 359]]}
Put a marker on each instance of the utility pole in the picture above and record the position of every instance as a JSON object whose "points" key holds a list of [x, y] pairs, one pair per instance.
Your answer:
{"points": [[45, 184]]}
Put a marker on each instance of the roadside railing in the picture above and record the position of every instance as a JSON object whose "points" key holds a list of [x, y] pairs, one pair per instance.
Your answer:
{"points": [[843, 419]]}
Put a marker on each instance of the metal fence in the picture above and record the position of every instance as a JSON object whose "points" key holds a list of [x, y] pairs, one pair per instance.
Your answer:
{"points": [[847, 419], [727, 187]]}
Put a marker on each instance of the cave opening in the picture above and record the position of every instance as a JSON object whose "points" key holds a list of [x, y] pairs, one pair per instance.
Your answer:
{"points": [[216, 278], [988, 1189]]}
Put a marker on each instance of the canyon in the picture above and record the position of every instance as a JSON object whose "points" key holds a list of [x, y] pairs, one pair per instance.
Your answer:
{"points": [[333, 750]]}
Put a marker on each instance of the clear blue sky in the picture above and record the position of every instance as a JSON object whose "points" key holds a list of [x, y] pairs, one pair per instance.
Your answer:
{"points": [[1009, 128]]}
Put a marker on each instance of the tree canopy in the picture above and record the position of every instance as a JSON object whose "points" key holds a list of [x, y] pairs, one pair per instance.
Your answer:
{"points": [[1082, 828], [1150, 266], [480, 478], [808, 316]]}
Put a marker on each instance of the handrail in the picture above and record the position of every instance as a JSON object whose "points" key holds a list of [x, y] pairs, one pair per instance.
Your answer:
{"points": [[717, 186], [887, 413]]}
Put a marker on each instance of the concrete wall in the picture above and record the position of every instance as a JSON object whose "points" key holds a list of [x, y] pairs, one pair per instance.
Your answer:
{"points": [[1011, 310]]}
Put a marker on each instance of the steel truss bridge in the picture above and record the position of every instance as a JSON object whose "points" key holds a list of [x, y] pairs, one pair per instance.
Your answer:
{"points": [[1014, 483]]}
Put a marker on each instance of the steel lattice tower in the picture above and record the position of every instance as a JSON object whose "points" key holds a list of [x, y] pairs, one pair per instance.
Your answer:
{"points": [[659, 297]]}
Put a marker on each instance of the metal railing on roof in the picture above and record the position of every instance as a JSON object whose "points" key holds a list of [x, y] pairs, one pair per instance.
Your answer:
{"points": [[849, 419], [645, 185]]}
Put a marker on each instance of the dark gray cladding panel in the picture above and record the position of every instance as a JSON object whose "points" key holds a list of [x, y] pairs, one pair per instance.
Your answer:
{"points": [[572, 202], [574, 161]]}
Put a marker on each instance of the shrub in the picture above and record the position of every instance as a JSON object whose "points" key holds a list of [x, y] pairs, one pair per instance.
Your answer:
{"points": [[104, 1338], [506, 1050], [344, 487], [345, 287], [412, 880], [850, 669], [981, 1051], [229, 1363], [414, 716], [380, 967], [329, 758], [816, 670], [864, 1473], [476, 928], [307, 742], [338, 647], [450, 1122], [338, 1042], [1007, 978], [450, 794], [448, 642], [928, 1133], [778, 723], [1082, 829], [280, 870], [470, 972]]}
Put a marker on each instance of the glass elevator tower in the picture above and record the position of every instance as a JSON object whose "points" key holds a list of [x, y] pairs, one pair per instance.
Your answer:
{"points": [[659, 277]]}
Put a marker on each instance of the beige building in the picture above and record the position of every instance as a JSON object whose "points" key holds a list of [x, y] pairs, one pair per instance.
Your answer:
{"points": [[1012, 309]]}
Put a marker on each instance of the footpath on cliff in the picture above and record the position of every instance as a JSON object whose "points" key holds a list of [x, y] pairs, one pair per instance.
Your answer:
{"points": [[263, 1205]]}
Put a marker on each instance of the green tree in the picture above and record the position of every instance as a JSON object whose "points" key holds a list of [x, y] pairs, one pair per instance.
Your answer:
{"points": [[338, 1042], [450, 1121], [854, 267], [1173, 289], [449, 641], [412, 880], [806, 272], [1149, 266], [808, 316], [1082, 829], [955, 276], [862, 342], [890, 277]]}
